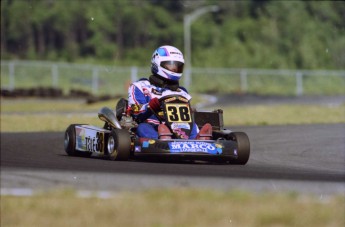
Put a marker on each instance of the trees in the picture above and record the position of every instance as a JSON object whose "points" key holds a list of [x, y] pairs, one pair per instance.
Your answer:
{"points": [[277, 34], [265, 34]]}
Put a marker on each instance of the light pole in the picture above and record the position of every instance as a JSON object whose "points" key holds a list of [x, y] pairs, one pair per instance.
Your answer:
{"points": [[187, 21]]}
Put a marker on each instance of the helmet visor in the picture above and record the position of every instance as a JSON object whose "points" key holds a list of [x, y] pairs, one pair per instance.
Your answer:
{"points": [[173, 66]]}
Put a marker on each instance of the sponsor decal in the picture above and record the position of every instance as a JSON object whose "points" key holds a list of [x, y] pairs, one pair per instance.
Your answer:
{"points": [[180, 133], [146, 92], [90, 140], [182, 99], [219, 148], [193, 146], [137, 149], [136, 108], [151, 141], [180, 125], [94, 144], [170, 99], [179, 129], [146, 144], [219, 145], [173, 52], [156, 91], [80, 133]]}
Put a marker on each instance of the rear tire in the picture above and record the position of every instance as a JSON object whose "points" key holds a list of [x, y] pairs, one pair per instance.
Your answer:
{"points": [[243, 147], [70, 142], [118, 145]]}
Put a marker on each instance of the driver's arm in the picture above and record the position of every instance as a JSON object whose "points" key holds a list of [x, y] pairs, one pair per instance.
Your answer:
{"points": [[138, 103]]}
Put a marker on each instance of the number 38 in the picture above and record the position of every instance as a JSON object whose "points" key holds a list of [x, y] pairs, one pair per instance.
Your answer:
{"points": [[178, 113]]}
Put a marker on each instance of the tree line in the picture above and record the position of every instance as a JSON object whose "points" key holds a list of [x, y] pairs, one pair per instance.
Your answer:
{"points": [[248, 34]]}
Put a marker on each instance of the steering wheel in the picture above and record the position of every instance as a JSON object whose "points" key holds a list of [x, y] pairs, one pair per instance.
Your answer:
{"points": [[177, 115], [165, 99]]}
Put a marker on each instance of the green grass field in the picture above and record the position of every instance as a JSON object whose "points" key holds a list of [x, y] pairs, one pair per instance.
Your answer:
{"points": [[173, 207], [55, 115]]}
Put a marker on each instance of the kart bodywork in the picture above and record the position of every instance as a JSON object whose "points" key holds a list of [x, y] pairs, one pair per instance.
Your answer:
{"points": [[118, 140]]}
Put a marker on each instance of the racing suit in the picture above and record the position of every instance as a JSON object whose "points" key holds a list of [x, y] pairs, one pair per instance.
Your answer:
{"points": [[139, 95]]}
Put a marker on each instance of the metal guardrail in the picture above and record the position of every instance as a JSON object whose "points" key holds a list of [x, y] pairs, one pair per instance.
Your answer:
{"points": [[296, 78], [100, 79], [97, 79]]}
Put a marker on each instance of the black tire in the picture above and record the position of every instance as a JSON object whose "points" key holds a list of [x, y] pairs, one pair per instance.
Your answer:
{"points": [[70, 142], [243, 147], [118, 145]]}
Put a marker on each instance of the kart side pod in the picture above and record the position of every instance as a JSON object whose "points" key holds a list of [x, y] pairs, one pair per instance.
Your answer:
{"points": [[108, 116]]}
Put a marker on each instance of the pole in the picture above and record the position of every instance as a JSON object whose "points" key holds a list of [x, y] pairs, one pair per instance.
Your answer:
{"points": [[187, 51], [95, 80], [55, 76], [187, 21], [299, 83]]}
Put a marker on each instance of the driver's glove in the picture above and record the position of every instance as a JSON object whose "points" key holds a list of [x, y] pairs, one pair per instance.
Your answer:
{"points": [[154, 105]]}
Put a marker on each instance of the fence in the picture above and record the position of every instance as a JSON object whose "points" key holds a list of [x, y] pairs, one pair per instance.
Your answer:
{"points": [[100, 80]]}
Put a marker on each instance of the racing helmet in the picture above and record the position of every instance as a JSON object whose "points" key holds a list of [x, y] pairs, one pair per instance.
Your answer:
{"points": [[167, 62]]}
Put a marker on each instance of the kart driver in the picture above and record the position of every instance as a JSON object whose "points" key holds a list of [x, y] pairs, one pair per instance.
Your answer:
{"points": [[166, 66]]}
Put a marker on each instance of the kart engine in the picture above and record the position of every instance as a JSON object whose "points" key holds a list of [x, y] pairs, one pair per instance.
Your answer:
{"points": [[127, 122]]}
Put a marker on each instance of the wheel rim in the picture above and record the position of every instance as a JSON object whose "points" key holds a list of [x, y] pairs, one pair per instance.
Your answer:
{"points": [[111, 146], [66, 140]]}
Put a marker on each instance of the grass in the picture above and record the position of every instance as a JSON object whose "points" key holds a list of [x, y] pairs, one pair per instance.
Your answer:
{"points": [[284, 114], [25, 115], [173, 207], [55, 115]]}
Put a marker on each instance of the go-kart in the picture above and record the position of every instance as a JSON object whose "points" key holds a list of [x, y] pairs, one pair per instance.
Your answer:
{"points": [[118, 140]]}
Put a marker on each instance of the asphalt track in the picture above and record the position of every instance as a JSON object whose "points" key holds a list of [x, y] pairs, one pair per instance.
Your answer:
{"points": [[303, 158]]}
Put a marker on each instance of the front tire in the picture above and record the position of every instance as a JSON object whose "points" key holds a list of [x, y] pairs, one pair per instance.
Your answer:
{"points": [[118, 145], [243, 147]]}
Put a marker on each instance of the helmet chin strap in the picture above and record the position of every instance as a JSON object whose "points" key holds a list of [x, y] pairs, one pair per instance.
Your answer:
{"points": [[160, 82]]}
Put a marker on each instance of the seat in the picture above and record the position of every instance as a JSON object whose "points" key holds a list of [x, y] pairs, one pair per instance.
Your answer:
{"points": [[121, 108]]}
